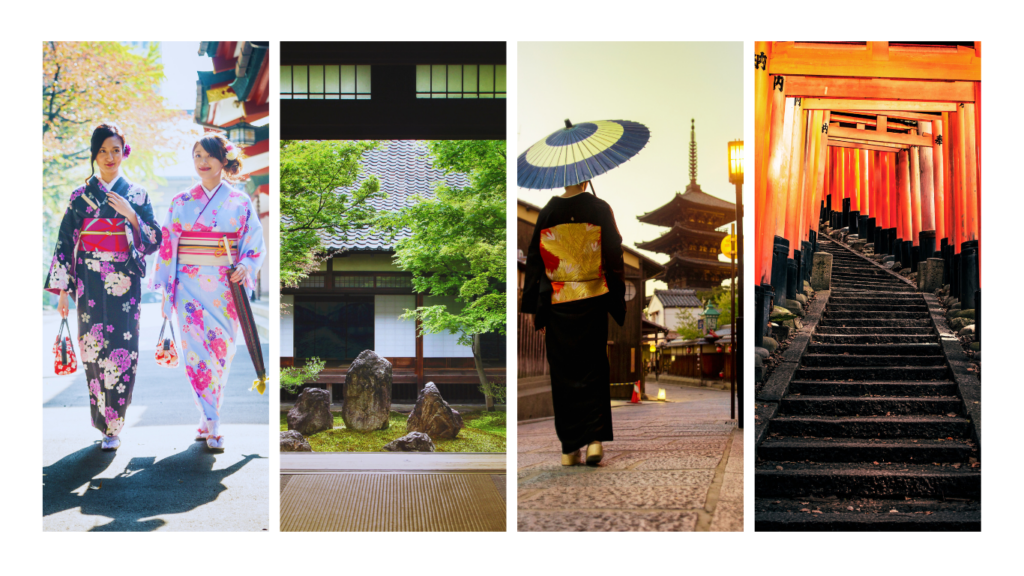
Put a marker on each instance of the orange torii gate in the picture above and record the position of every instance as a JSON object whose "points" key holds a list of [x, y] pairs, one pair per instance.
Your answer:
{"points": [[883, 138]]}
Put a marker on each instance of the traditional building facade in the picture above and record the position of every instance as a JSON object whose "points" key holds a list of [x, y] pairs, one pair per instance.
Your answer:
{"points": [[692, 241], [354, 302], [234, 99]]}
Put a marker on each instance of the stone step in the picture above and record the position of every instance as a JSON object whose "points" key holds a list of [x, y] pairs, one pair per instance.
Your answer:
{"points": [[823, 338], [869, 315], [913, 426], [919, 307], [847, 373], [877, 322], [843, 293], [865, 480], [917, 450], [914, 515], [872, 286], [874, 388], [892, 298], [880, 349], [860, 406], [873, 330], [866, 360]]}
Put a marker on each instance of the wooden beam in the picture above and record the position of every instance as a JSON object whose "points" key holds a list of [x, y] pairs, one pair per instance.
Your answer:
{"points": [[836, 117], [882, 124], [913, 140], [823, 59], [859, 146], [901, 114], [879, 89], [876, 105]]}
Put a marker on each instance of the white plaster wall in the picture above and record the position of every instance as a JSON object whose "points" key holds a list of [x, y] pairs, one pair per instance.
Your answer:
{"points": [[393, 337], [287, 326], [444, 345]]}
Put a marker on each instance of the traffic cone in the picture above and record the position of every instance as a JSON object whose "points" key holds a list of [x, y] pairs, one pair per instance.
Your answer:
{"points": [[636, 393]]}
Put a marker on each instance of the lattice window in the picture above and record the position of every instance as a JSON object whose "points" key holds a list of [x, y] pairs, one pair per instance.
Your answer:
{"points": [[463, 81], [325, 82], [353, 281], [315, 281], [394, 282]]}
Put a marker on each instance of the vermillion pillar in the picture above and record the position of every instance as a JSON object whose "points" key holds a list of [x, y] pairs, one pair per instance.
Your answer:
{"points": [[762, 122], [938, 179], [775, 180], [927, 180], [915, 191], [972, 171], [906, 227], [796, 172]]}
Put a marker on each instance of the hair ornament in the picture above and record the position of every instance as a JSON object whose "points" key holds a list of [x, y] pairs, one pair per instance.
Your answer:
{"points": [[127, 150], [231, 151]]}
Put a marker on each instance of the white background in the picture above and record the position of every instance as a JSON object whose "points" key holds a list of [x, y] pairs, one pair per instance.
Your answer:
{"points": [[27, 549]]}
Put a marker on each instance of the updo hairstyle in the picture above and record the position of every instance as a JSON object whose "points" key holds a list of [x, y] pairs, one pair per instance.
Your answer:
{"points": [[99, 136], [218, 146]]}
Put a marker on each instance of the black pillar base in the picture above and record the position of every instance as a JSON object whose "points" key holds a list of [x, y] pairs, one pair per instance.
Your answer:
{"points": [[806, 257], [926, 240], [791, 279], [780, 253], [905, 254], [968, 273], [915, 258], [873, 233], [855, 222], [846, 212], [977, 316]]}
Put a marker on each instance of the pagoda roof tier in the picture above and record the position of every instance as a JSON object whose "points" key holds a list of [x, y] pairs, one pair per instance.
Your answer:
{"points": [[669, 242], [692, 199], [678, 262]]}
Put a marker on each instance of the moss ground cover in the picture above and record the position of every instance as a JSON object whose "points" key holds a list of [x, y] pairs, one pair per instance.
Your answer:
{"points": [[484, 432]]}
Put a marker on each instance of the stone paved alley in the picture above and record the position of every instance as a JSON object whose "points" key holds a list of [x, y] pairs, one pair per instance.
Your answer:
{"points": [[674, 465]]}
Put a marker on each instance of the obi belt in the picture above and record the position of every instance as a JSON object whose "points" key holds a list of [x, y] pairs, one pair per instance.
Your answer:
{"points": [[103, 235], [572, 261], [207, 248]]}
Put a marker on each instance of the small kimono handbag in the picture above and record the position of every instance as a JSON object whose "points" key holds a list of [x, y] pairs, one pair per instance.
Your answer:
{"points": [[64, 361], [166, 351]]}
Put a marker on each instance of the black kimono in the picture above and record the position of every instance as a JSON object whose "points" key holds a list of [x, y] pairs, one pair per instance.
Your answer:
{"points": [[99, 260], [574, 280]]}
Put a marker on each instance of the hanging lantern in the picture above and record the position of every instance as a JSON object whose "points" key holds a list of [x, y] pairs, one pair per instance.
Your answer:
{"points": [[242, 134]]}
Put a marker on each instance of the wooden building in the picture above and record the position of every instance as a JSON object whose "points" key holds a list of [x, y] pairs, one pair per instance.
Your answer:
{"points": [[354, 301], [692, 240], [393, 90], [625, 343], [234, 99]]}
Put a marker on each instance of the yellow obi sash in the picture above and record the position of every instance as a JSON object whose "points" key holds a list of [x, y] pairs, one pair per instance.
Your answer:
{"points": [[572, 261], [207, 248]]}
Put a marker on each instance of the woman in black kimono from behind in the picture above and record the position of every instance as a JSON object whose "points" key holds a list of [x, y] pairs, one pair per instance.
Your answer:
{"points": [[574, 280], [99, 259]]}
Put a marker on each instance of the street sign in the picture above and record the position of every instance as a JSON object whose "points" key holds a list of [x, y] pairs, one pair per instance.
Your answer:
{"points": [[729, 246]]}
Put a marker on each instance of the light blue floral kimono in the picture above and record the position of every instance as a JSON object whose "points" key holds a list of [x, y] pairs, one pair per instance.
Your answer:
{"points": [[201, 294]]}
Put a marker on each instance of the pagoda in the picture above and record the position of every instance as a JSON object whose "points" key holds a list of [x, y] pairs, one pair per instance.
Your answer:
{"points": [[692, 239]]}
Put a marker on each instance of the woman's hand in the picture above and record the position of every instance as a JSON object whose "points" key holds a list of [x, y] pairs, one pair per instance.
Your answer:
{"points": [[62, 304], [122, 207], [238, 276]]}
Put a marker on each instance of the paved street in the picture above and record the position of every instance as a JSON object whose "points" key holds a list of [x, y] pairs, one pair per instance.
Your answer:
{"points": [[675, 465], [160, 478]]}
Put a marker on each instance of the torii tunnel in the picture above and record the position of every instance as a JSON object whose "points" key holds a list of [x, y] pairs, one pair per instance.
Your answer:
{"points": [[882, 138]]}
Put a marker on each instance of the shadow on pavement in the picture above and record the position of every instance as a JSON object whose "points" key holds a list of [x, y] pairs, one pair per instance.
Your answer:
{"points": [[144, 489]]}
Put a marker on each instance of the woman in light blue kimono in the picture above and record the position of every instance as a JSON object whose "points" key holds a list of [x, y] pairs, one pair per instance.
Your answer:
{"points": [[193, 270]]}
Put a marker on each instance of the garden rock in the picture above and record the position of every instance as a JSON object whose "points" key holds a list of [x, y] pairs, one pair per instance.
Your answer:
{"points": [[966, 330], [969, 313], [292, 441], [312, 412], [770, 344], [801, 298], [433, 416], [411, 442], [367, 393], [959, 323], [761, 353]]}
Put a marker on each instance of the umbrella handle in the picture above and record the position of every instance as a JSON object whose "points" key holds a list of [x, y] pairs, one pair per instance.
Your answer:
{"points": [[227, 248]]}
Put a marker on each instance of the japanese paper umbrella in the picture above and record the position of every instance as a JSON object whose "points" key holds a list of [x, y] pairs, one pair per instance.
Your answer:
{"points": [[248, 325], [578, 153]]}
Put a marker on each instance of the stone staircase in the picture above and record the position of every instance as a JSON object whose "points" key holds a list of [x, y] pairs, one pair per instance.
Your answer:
{"points": [[872, 433]]}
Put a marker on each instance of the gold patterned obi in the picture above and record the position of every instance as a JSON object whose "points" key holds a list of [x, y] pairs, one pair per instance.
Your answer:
{"points": [[572, 261], [207, 248]]}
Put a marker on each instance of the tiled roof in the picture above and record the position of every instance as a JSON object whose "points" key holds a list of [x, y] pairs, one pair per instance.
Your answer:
{"points": [[404, 170], [678, 298]]}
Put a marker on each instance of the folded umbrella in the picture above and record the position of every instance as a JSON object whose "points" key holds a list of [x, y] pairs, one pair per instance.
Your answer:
{"points": [[248, 323]]}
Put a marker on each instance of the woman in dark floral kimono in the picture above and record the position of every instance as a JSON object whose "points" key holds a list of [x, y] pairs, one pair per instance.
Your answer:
{"points": [[574, 280], [104, 237]]}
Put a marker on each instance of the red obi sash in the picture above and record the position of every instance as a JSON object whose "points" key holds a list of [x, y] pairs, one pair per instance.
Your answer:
{"points": [[207, 248], [103, 235]]}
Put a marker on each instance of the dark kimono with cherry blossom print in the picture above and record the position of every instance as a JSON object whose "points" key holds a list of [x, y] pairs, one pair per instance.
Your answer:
{"points": [[103, 272]]}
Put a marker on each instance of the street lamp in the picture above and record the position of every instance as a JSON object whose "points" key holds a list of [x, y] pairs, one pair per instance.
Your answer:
{"points": [[710, 315], [736, 178]]}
